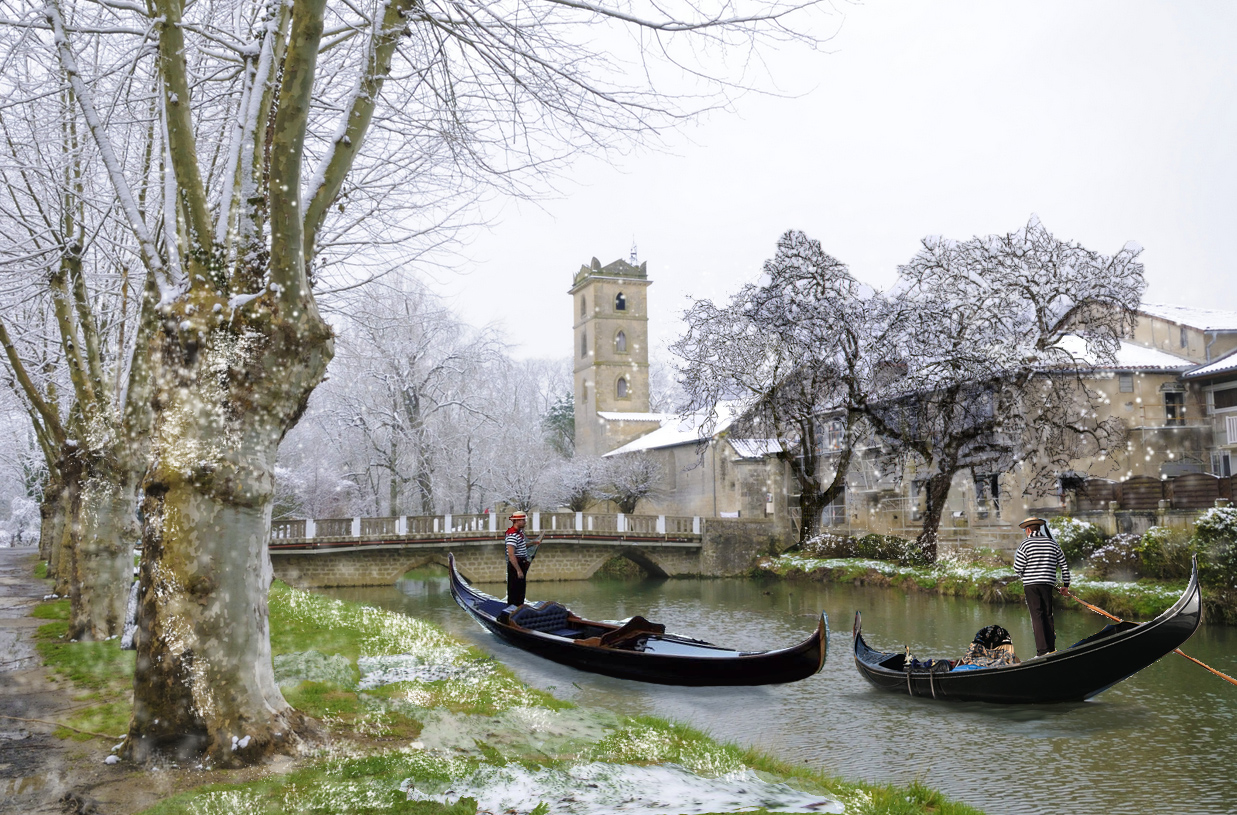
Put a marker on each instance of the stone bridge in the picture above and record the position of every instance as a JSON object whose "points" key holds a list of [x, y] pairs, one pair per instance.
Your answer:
{"points": [[377, 551]]}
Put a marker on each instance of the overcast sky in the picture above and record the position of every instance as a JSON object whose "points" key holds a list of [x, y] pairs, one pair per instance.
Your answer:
{"points": [[1112, 121]]}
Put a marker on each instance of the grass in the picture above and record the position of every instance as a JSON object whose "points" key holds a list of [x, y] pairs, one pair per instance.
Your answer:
{"points": [[374, 755], [984, 581]]}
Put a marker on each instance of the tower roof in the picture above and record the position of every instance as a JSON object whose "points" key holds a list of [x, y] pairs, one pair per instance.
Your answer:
{"points": [[619, 269]]}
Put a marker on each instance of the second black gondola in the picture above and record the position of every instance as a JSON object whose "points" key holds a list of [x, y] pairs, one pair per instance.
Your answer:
{"points": [[1071, 674]]}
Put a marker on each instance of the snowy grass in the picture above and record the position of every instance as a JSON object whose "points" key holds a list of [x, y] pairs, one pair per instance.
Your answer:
{"points": [[961, 577]]}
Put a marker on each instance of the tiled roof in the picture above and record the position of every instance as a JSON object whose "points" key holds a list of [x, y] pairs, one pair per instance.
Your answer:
{"points": [[1204, 319], [1129, 357], [676, 431], [755, 448], [1224, 365]]}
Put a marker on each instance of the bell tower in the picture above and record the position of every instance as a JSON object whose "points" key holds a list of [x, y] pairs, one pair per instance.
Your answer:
{"points": [[611, 352]]}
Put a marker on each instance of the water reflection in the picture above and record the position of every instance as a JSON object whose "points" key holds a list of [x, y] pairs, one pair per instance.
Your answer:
{"points": [[1166, 737]]}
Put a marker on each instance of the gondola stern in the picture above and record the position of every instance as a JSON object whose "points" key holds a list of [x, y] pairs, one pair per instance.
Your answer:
{"points": [[822, 630]]}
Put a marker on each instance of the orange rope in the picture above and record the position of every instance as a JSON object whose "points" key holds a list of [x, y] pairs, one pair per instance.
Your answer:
{"points": [[1104, 613]]}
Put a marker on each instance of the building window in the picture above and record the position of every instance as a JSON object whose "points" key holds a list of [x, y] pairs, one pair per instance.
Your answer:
{"points": [[987, 493], [1174, 408], [620, 302], [1221, 465], [583, 344], [1127, 382], [583, 306], [621, 388], [1185, 340], [1224, 399], [620, 343], [832, 436]]}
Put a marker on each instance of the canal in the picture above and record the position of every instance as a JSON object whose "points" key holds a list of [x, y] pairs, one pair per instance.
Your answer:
{"points": [[1162, 741]]}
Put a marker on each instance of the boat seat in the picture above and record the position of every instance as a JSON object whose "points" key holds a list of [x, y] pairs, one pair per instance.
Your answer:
{"points": [[550, 618], [637, 626]]}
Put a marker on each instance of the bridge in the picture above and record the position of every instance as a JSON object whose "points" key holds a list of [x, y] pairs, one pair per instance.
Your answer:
{"points": [[377, 551]]}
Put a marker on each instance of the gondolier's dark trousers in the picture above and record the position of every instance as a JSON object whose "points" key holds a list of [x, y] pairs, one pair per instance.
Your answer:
{"points": [[1039, 602], [516, 585]]}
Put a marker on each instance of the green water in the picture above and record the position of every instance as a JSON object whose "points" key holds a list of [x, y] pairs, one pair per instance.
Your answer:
{"points": [[1163, 741]]}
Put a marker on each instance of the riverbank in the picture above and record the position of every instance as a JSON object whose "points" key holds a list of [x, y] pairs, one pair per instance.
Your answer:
{"points": [[416, 721], [984, 577]]}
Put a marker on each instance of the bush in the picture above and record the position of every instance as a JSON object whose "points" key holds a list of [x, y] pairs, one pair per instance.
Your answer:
{"points": [[1215, 535], [829, 545], [872, 547], [1165, 553], [1078, 539], [1117, 558]]}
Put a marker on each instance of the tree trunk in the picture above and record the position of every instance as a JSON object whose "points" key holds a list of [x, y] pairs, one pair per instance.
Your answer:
{"points": [[64, 518], [105, 531], [811, 504], [228, 392], [937, 495], [51, 523]]}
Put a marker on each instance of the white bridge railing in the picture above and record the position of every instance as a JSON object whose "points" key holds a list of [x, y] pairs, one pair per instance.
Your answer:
{"points": [[485, 523]]}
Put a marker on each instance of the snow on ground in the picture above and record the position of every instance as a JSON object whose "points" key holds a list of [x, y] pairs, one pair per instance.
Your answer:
{"points": [[597, 787]]}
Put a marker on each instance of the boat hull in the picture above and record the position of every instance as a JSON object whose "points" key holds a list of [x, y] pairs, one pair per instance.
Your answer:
{"points": [[664, 659], [1072, 674]]}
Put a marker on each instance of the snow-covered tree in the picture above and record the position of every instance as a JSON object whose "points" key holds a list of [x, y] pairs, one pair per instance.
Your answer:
{"points": [[790, 353], [994, 334], [573, 483]]}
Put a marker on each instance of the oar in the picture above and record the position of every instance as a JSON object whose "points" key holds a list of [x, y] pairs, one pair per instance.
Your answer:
{"points": [[1116, 619]]}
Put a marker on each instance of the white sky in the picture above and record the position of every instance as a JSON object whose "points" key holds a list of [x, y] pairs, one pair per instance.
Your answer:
{"points": [[1112, 121]]}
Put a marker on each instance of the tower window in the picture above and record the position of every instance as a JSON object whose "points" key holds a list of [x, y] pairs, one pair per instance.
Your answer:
{"points": [[621, 388], [583, 306], [620, 302], [583, 344], [620, 343]]}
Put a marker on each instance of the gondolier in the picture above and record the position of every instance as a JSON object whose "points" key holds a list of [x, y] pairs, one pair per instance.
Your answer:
{"points": [[518, 559], [1036, 563]]}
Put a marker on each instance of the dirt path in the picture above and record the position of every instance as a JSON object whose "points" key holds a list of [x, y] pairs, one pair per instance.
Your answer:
{"points": [[40, 773]]}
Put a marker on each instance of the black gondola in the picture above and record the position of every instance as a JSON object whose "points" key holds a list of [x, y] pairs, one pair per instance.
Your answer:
{"points": [[636, 649], [1071, 674]]}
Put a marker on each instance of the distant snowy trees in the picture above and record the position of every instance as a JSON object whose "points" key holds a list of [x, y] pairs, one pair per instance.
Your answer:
{"points": [[973, 361]]}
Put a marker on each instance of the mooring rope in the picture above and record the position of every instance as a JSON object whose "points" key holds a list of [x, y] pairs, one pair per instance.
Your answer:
{"points": [[1117, 619]]}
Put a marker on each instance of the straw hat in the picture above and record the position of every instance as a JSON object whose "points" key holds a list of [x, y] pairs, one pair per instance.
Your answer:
{"points": [[1033, 522], [518, 516]]}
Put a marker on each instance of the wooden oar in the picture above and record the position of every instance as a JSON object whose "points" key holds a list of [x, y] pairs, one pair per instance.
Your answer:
{"points": [[1116, 619]]}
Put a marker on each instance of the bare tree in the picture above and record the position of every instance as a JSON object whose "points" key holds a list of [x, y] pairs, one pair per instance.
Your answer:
{"points": [[990, 379], [629, 479], [289, 135], [573, 483]]}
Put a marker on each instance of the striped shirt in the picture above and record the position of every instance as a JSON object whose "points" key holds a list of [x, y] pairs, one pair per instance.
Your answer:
{"points": [[1038, 559], [516, 539]]}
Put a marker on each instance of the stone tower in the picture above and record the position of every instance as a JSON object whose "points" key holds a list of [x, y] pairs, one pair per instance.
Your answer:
{"points": [[611, 351]]}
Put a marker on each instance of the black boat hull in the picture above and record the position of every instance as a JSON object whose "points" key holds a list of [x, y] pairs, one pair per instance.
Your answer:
{"points": [[665, 659], [1072, 674]]}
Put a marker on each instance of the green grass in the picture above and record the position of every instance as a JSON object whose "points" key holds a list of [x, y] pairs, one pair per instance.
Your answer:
{"points": [[373, 757], [40, 570]]}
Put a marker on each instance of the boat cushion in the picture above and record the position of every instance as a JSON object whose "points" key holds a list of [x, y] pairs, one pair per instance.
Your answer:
{"points": [[550, 618]]}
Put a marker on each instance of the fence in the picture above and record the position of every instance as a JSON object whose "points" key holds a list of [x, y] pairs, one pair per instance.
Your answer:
{"points": [[486, 523], [1190, 491]]}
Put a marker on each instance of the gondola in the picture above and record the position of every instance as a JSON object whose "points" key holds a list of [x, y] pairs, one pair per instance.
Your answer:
{"points": [[1071, 674], [636, 649]]}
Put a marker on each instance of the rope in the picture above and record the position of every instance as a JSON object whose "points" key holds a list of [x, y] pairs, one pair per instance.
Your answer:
{"points": [[1104, 613], [65, 726]]}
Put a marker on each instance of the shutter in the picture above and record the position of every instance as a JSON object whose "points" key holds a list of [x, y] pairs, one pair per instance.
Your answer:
{"points": [[1230, 428]]}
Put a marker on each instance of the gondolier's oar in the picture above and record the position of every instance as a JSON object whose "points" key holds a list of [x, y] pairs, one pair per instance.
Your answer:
{"points": [[1116, 619]]}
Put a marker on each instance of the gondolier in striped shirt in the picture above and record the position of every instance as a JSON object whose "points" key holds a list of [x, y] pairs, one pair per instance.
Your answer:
{"points": [[518, 559], [1036, 563]]}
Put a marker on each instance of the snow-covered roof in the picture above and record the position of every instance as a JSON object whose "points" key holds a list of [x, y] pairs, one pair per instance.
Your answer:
{"points": [[755, 448], [616, 416], [1204, 319], [1226, 364], [675, 431], [1129, 357]]}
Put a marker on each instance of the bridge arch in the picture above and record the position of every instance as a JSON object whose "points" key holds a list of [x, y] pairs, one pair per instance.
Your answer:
{"points": [[645, 560]]}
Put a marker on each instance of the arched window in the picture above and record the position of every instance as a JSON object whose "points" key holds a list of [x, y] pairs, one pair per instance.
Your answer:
{"points": [[620, 343], [583, 344], [583, 305], [620, 302], [621, 388]]}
